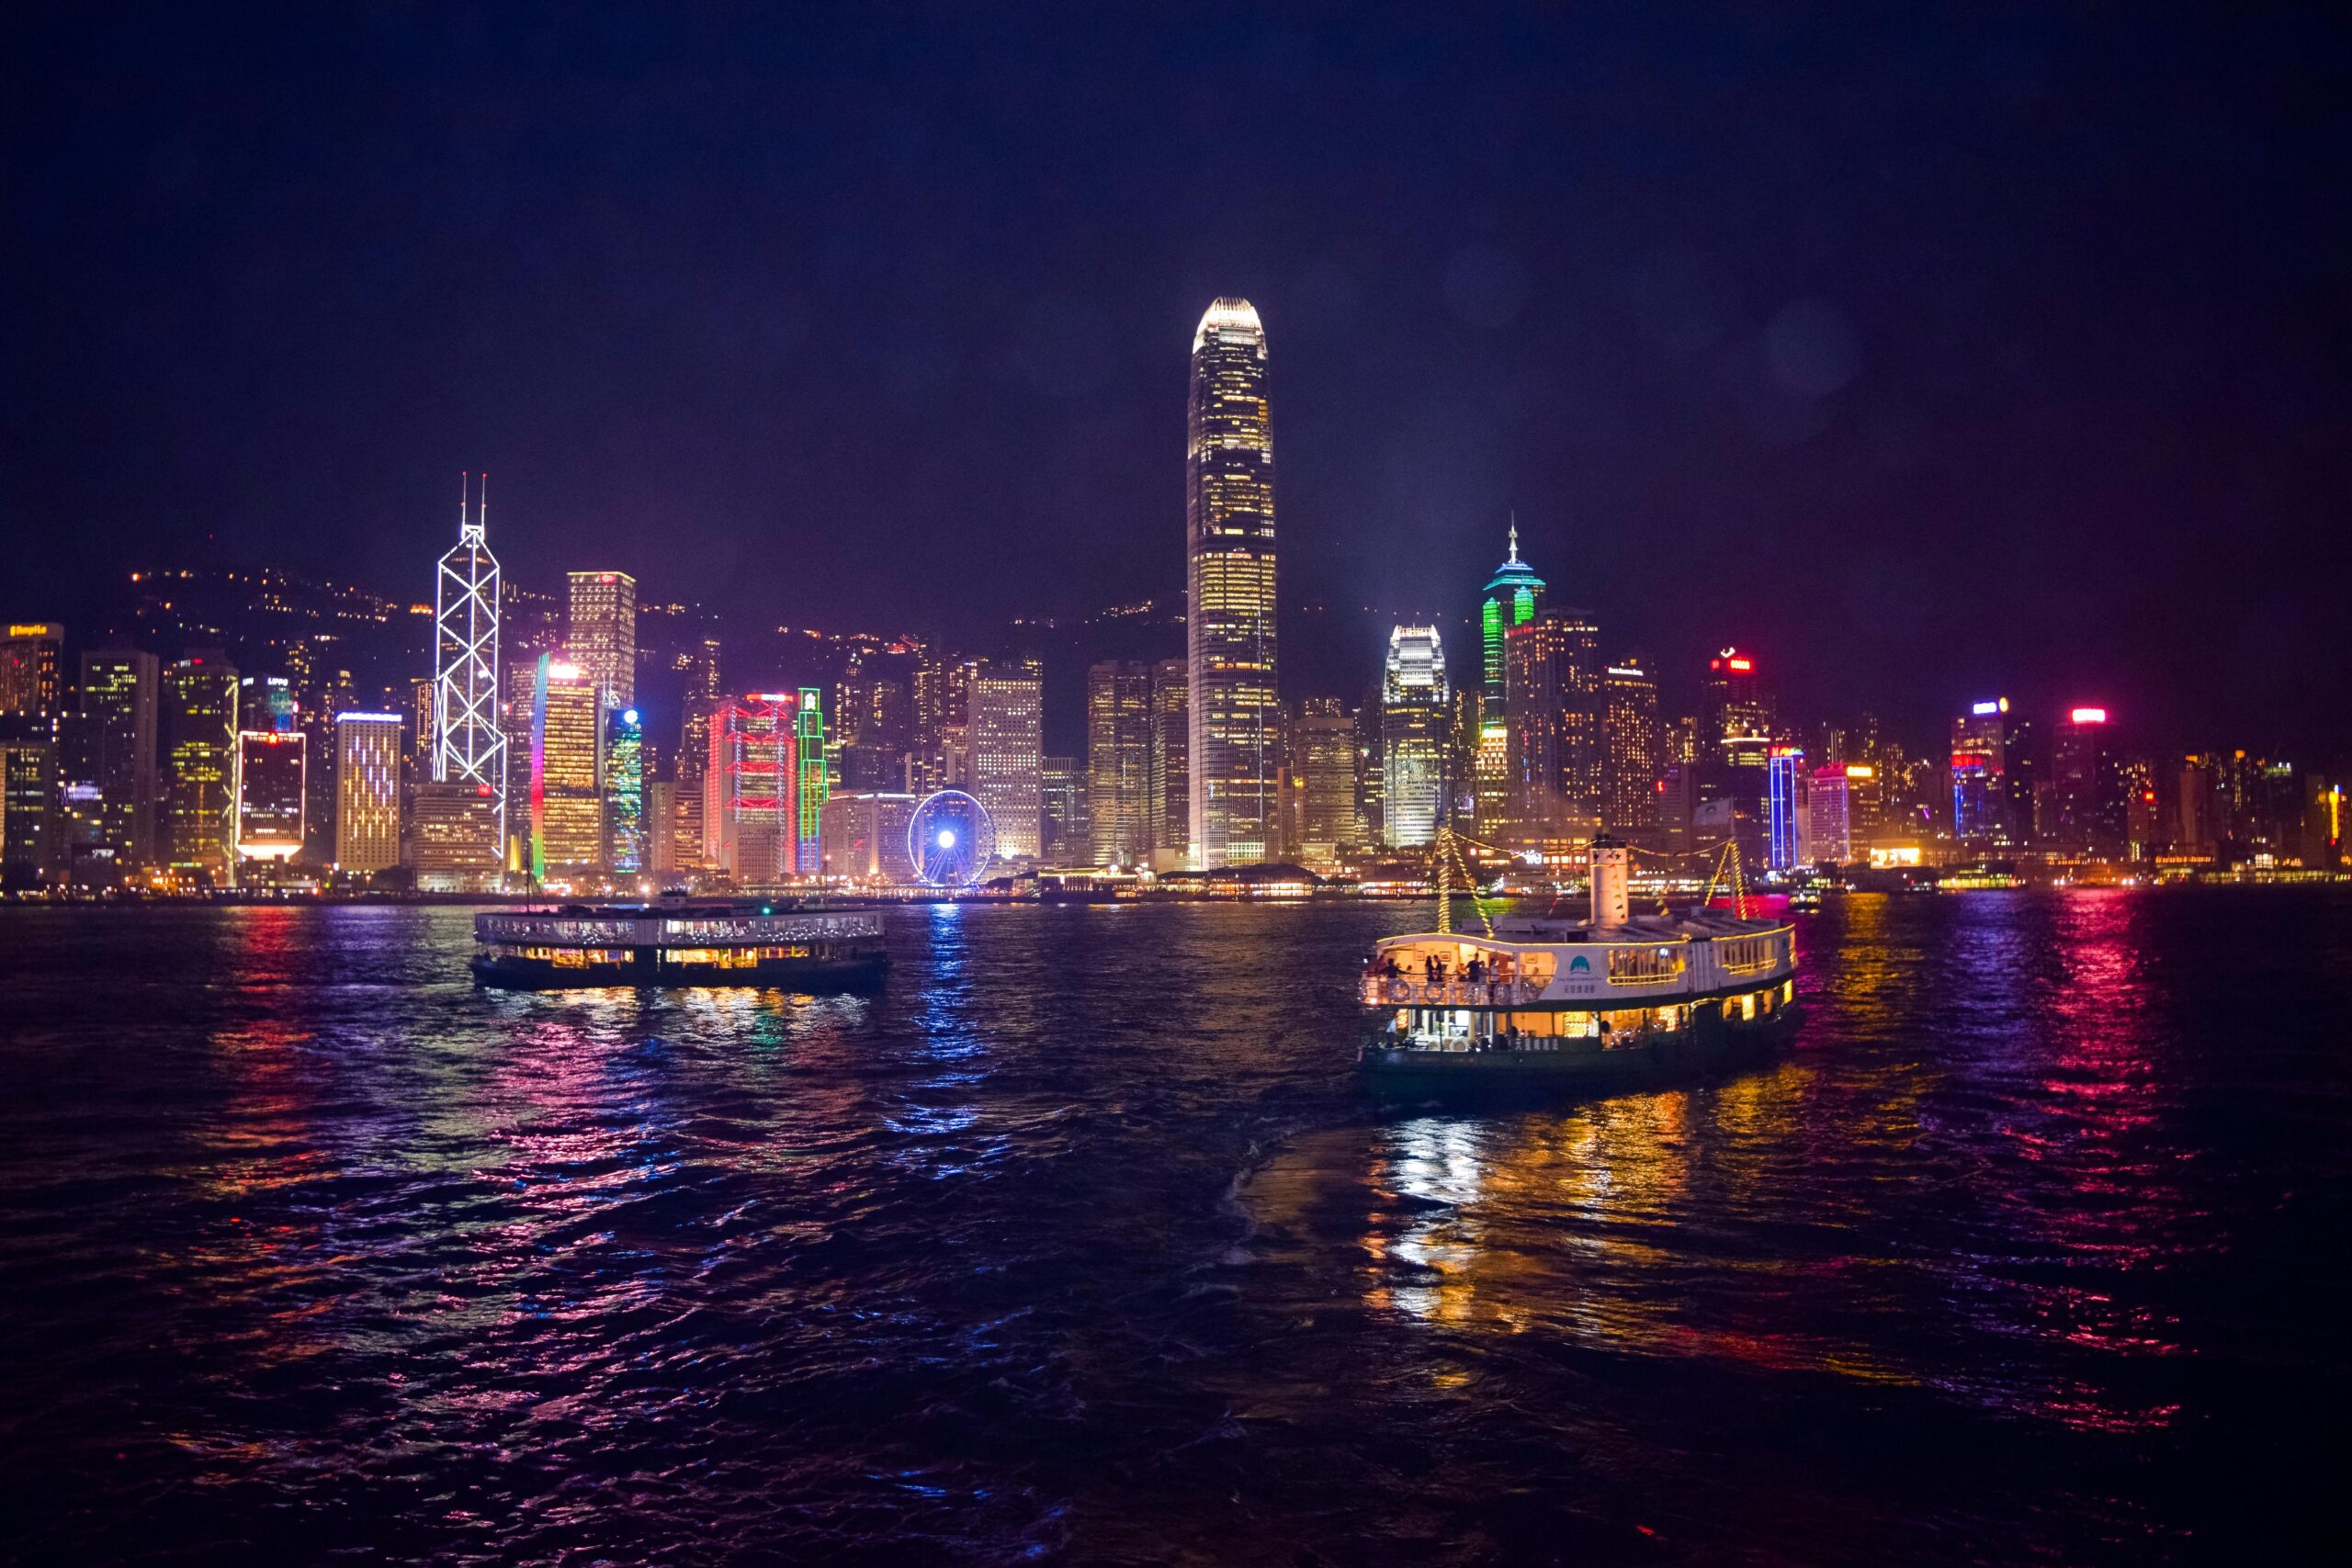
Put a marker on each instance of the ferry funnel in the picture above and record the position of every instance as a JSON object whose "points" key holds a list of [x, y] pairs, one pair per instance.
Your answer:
{"points": [[1610, 904]]}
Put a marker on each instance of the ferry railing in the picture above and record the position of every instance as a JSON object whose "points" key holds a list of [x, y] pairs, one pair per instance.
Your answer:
{"points": [[1381, 990]]}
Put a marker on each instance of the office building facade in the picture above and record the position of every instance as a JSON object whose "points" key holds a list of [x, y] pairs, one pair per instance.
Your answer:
{"points": [[273, 793], [625, 820], [863, 836], [117, 701], [1554, 707], [1323, 757], [366, 792], [1066, 811], [750, 789], [567, 772], [601, 633], [1829, 816], [1415, 714], [1118, 762], [31, 669], [1632, 752], [1171, 769], [198, 719], [1007, 754]]}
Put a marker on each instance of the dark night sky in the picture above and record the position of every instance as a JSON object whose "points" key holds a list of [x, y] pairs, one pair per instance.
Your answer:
{"points": [[1931, 354]]}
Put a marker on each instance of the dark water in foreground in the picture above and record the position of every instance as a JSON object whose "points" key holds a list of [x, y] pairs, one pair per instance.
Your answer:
{"points": [[1073, 1244]]}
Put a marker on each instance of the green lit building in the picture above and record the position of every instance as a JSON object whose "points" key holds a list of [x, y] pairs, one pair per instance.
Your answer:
{"points": [[624, 844], [1513, 596], [809, 737]]}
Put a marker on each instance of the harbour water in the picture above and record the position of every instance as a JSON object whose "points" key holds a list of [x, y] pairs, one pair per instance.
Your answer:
{"points": [[1074, 1243]]}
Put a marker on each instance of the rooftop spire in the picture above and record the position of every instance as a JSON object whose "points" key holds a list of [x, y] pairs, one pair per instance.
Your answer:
{"points": [[1514, 538]]}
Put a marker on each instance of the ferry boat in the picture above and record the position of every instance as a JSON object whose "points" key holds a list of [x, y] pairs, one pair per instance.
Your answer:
{"points": [[1617, 1000], [803, 949]]}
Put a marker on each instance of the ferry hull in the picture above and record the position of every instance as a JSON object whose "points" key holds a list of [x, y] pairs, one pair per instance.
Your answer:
{"points": [[845, 973], [1712, 1049]]}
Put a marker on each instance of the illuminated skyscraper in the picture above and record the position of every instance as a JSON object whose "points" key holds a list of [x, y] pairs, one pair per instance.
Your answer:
{"points": [[567, 772], [1738, 712], [602, 636], [751, 787], [366, 791], [1118, 762], [1068, 827], [265, 704], [1786, 828], [1554, 706], [813, 785], [1829, 815], [469, 747], [200, 742], [1229, 628], [1633, 751], [30, 685], [1171, 772], [2088, 786], [452, 847], [865, 836], [1323, 753], [624, 822], [1413, 702], [31, 833], [273, 783], [120, 690], [1513, 596], [1008, 746], [1980, 773]]}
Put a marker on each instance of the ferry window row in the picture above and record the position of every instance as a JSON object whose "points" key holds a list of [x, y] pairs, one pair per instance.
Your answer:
{"points": [[1746, 954], [1644, 966]]}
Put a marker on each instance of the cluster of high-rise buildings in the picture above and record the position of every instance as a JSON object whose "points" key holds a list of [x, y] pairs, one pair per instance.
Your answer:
{"points": [[517, 755]]}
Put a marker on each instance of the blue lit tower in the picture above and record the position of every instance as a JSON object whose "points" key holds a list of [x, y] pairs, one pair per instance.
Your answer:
{"points": [[1786, 828], [469, 746]]}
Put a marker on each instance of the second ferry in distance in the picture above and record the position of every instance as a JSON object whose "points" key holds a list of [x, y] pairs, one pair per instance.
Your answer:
{"points": [[812, 948], [1618, 1000]]}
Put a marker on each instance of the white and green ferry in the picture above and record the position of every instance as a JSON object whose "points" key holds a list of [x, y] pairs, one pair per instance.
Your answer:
{"points": [[1617, 999]]}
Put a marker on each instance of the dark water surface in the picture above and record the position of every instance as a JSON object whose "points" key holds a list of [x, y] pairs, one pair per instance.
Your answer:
{"points": [[1074, 1244]]}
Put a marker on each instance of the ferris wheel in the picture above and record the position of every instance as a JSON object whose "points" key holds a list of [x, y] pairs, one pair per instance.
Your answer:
{"points": [[950, 840]]}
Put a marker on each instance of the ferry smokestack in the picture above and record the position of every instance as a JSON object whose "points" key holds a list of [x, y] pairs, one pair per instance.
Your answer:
{"points": [[1610, 898]]}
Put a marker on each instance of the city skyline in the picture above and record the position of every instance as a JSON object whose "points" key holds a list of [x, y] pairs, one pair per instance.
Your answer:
{"points": [[1822, 346]]}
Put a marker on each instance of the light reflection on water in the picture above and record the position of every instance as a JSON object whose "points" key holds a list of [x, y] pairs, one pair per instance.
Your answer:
{"points": [[1074, 1239]]}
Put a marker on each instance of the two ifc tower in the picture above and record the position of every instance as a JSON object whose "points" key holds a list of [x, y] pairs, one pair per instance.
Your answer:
{"points": [[1229, 651]]}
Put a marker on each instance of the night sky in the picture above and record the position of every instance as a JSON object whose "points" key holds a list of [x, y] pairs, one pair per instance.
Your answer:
{"points": [[1931, 355]]}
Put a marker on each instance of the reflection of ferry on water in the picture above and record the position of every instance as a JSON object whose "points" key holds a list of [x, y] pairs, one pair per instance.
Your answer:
{"points": [[1547, 1003], [805, 949]]}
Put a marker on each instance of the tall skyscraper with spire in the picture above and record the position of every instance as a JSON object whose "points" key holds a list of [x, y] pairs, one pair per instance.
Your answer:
{"points": [[1513, 596], [469, 747], [1229, 591]]}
